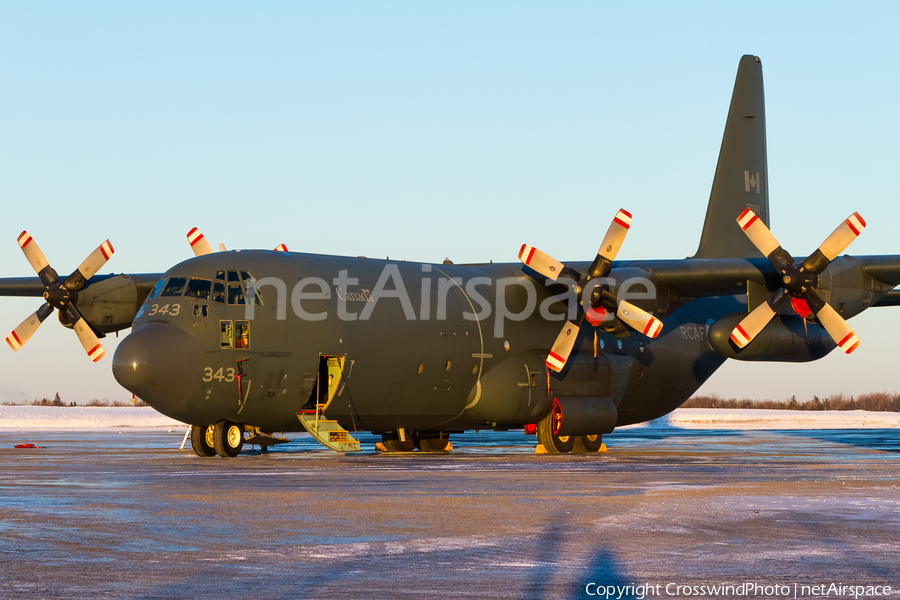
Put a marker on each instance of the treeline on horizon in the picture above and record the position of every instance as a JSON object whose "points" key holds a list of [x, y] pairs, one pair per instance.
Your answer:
{"points": [[878, 402], [58, 402]]}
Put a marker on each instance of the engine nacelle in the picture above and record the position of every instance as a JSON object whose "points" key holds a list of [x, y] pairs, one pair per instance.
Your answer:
{"points": [[784, 339], [108, 303], [583, 416]]}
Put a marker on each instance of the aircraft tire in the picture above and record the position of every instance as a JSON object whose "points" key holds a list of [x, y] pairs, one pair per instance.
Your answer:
{"points": [[228, 438], [584, 443], [392, 442], [433, 444], [552, 443], [200, 442]]}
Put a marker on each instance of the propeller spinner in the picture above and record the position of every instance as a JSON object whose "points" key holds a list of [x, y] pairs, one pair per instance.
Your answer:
{"points": [[602, 302], [799, 281], [61, 295]]}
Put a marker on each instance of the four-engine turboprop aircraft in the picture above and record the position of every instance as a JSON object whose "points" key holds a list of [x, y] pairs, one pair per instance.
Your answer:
{"points": [[257, 341]]}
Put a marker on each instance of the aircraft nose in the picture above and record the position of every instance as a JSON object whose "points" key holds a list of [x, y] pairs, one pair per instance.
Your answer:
{"points": [[160, 364]]}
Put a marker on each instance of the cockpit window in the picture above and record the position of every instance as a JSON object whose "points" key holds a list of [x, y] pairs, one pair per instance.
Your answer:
{"points": [[235, 294], [233, 276], [218, 294], [255, 299], [174, 287], [198, 288], [156, 289], [220, 275]]}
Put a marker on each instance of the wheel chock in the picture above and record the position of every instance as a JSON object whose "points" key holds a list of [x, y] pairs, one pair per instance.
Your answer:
{"points": [[449, 446], [379, 447], [539, 449], [27, 446], [602, 447]]}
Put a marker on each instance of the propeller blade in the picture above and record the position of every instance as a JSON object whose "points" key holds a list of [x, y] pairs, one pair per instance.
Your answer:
{"points": [[36, 259], [32, 252], [541, 262], [85, 334], [562, 347], [91, 265], [89, 341], [639, 319], [752, 324], [198, 242], [838, 329], [764, 241], [23, 332], [843, 236], [833, 323], [612, 242], [615, 235], [281, 248], [757, 320]]}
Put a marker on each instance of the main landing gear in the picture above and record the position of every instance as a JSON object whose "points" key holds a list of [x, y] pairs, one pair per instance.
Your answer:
{"points": [[437, 442], [225, 438], [557, 444]]}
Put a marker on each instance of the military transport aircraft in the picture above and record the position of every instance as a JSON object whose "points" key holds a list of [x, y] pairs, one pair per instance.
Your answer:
{"points": [[243, 344]]}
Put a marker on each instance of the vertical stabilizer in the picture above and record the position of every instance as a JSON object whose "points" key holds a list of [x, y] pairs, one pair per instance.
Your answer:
{"points": [[741, 179]]}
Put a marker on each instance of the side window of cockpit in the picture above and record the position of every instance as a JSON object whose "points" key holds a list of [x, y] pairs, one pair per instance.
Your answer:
{"points": [[156, 289], [225, 334], [174, 287], [242, 334]]}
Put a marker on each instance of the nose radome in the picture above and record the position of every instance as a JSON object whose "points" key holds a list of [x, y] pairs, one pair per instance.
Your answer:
{"points": [[160, 364]]}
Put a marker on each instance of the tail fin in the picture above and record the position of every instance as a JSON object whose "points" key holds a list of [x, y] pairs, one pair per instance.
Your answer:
{"points": [[741, 179]]}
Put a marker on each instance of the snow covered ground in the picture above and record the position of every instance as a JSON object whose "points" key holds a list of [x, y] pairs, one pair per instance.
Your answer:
{"points": [[91, 418], [99, 418], [757, 418]]}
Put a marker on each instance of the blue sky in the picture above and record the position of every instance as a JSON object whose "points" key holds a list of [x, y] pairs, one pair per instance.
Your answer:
{"points": [[432, 130]]}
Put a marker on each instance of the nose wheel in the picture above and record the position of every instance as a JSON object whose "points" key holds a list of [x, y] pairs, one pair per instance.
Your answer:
{"points": [[202, 441], [228, 438]]}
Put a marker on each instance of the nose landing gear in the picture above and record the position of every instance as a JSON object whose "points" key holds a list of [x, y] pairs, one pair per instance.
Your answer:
{"points": [[225, 438]]}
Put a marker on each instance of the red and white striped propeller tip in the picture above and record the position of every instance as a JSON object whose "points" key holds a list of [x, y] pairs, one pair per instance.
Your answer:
{"points": [[194, 236], [623, 218], [14, 342], [740, 337], [849, 343]]}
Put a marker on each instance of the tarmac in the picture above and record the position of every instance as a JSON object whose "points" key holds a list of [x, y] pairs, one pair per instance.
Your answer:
{"points": [[127, 514]]}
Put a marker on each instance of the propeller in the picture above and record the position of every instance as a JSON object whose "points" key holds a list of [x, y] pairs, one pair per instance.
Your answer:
{"points": [[200, 246], [61, 295], [602, 303], [799, 281]]}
